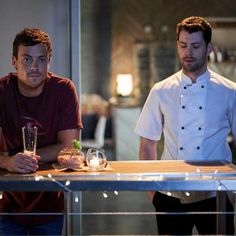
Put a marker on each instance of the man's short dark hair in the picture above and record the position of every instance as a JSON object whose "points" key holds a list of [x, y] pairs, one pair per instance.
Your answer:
{"points": [[193, 24], [31, 37]]}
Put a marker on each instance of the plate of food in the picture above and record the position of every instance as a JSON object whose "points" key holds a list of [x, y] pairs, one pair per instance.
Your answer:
{"points": [[70, 158]]}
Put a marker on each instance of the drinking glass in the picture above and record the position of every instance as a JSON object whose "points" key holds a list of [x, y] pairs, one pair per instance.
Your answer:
{"points": [[29, 135], [95, 159]]}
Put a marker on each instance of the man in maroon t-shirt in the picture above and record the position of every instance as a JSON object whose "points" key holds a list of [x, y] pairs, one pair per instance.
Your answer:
{"points": [[34, 97]]}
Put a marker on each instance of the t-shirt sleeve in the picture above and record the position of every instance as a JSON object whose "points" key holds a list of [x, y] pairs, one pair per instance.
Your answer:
{"points": [[69, 114], [150, 122]]}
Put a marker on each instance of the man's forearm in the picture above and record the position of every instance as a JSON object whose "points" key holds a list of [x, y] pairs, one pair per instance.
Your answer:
{"points": [[4, 160], [148, 149], [49, 153]]}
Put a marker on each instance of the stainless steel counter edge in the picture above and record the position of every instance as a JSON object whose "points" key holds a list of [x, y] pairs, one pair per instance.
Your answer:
{"points": [[110, 182]]}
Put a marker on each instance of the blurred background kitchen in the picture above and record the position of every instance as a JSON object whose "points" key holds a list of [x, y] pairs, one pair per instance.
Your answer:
{"points": [[114, 51]]}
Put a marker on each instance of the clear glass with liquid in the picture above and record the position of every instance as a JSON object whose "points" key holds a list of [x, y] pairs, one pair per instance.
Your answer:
{"points": [[29, 135]]}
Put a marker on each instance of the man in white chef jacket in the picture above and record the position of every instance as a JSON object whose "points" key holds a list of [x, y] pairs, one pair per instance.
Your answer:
{"points": [[195, 111]]}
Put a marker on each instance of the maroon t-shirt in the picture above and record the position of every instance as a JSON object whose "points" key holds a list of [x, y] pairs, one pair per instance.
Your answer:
{"points": [[55, 109]]}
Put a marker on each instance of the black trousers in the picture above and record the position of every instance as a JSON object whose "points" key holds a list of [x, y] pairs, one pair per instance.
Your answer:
{"points": [[182, 224]]}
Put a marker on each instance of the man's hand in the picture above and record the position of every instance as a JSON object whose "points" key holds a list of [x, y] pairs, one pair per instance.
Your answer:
{"points": [[151, 194], [22, 163]]}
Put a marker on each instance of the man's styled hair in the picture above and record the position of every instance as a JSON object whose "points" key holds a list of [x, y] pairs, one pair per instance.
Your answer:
{"points": [[193, 24], [31, 37]]}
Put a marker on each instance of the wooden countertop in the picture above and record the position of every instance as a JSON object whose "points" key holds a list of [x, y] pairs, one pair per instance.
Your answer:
{"points": [[172, 167], [126, 167]]}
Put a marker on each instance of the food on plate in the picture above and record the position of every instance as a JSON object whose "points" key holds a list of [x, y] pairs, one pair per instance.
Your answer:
{"points": [[72, 157]]}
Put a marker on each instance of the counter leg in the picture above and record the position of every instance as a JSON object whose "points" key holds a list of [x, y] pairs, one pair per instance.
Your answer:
{"points": [[221, 207], [67, 215], [76, 220]]}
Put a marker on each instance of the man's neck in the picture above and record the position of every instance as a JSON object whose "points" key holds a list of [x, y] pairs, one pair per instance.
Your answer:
{"points": [[28, 91], [194, 75]]}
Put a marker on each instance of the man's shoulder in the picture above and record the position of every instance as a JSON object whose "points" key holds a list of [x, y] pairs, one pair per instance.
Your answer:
{"points": [[221, 80], [7, 80], [169, 82], [8, 77], [54, 78], [59, 85], [58, 81]]}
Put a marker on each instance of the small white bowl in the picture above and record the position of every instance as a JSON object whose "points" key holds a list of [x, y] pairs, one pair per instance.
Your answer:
{"points": [[95, 159]]}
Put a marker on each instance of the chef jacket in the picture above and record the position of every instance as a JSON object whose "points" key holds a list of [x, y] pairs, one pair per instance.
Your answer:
{"points": [[194, 118]]}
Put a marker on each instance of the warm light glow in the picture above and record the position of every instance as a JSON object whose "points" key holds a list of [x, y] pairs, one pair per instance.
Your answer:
{"points": [[124, 84]]}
